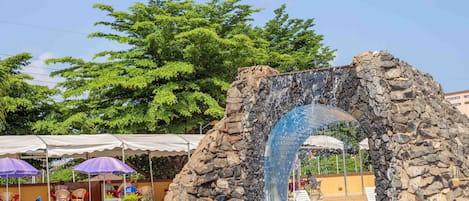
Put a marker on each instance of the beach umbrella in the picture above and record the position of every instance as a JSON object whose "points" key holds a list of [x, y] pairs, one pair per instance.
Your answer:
{"points": [[10, 167], [102, 165]]}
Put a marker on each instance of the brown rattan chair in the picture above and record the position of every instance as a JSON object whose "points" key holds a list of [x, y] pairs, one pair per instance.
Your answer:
{"points": [[62, 195], [79, 194], [3, 196]]}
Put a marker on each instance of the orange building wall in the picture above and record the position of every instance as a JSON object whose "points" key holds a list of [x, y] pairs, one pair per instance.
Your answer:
{"points": [[331, 185], [460, 100], [28, 191]]}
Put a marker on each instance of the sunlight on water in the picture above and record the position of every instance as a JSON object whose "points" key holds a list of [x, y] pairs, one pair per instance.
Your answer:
{"points": [[285, 140]]}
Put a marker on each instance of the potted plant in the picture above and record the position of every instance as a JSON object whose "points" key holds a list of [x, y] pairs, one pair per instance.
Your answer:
{"points": [[131, 197]]}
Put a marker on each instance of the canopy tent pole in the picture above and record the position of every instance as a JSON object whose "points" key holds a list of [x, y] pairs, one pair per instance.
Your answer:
{"points": [[123, 160], [361, 171], [337, 163], [188, 146], [299, 172], [19, 189], [319, 165], [89, 187], [48, 176], [104, 186], [7, 186], [151, 177], [355, 163], [47, 167], [345, 171], [73, 176]]}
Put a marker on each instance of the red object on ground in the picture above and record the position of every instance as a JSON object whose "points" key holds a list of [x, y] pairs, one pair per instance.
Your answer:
{"points": [[297, 185], [84, 196], [116, 193], [16, 197]]}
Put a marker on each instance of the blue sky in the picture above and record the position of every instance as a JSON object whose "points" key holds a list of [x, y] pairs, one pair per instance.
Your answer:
{"points": [[430, 35]]}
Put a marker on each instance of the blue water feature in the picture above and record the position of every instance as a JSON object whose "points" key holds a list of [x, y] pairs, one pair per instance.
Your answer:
{"points": [[285, 140]]}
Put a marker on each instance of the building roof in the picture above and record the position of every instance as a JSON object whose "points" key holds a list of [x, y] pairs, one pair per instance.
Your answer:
{"points": [[456, 93]]}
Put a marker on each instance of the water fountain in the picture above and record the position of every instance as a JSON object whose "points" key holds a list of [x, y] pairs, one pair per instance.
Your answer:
{"points": [[286, 138], [415, 148]]}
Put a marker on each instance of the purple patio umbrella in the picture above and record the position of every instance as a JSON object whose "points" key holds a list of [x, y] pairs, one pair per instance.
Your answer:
{"points": [[10, 167], [103, 165]]}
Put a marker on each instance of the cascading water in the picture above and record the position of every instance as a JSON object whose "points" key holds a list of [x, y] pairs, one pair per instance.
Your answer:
{"points": [[335, 84], [286, 138]]}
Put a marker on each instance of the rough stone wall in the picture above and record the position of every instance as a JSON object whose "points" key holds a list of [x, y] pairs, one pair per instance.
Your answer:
{"points": [[419, 143], [217, 168]]}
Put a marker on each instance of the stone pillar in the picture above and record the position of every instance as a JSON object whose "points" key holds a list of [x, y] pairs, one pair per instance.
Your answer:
{"points": [[416, 136], [217, 168]]}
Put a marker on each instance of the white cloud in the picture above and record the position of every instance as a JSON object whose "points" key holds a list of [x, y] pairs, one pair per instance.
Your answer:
{"points": [[40, 71]]}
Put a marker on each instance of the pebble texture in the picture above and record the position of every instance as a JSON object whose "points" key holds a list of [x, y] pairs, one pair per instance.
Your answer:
{"points": [[419, 143]]}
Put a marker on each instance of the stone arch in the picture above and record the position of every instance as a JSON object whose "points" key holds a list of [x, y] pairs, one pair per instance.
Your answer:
{"points": [[418, 141]]}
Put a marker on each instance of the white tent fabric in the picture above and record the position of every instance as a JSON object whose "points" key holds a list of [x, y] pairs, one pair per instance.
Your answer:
{"points": [[323, 142], [99, 144], [70, 145], [193, 140], [364, 144], [159, 145], [17, 144]]}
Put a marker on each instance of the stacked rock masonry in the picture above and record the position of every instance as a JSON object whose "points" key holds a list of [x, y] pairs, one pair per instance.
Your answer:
{"points": [[419, 143]]}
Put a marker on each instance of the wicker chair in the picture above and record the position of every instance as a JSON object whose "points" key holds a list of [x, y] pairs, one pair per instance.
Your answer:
{"points": [[79, 194], [62, 195], [3, 196]]}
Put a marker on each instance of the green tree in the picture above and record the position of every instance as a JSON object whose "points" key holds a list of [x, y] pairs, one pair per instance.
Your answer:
{"points": [[175, 73], [293, 44], [22, 104], [3, 81]]}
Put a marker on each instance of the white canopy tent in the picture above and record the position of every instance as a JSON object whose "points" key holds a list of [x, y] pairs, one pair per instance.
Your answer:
{"points": [[364, 144], [323, 142], [89, 145], [18, 144], [76, 146], [327, 142], [93, 145]]}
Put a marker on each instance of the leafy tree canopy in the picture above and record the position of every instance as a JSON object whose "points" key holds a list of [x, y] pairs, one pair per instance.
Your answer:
{"points": [[21, 103], [3, 81], [180, 60]]}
